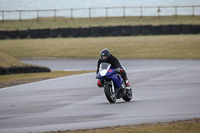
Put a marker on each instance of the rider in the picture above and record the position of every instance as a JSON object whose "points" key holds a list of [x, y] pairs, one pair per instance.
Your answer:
{"points": [[105, 56]]}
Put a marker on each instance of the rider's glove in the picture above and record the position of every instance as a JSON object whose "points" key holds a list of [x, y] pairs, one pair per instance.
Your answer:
{"points": [[118, 70]]}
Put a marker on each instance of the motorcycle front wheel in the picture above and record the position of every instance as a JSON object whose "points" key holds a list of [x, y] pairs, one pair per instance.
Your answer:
{"points": [[110, 95]]}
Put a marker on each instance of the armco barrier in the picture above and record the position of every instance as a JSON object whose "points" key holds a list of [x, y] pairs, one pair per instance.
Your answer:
{"points": [[102, 31], [115, 31], [65, 32], [125, 30], [186, 29], [105, 31], [84, 32], [3, 34], [195, 29], [95, 31], [34, 33], [155, 30], [13, 34], [43, 33], [135, 30], [165, 29], [23, 34], [175, 29], [146, 29], [54, 33], [75, 32]]}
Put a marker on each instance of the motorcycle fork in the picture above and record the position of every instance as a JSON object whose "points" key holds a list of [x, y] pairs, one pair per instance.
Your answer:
{"points": [[113, 87], [110, 84]]}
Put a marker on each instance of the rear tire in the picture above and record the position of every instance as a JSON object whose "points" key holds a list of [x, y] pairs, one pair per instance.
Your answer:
{"points": [[109, 94], [128, 95]]}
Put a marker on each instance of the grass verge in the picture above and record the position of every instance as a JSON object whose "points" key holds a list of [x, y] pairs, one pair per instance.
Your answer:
{"points": [[8, 61], [86, 22], [15, 79], [187, 126], [132, 47]]}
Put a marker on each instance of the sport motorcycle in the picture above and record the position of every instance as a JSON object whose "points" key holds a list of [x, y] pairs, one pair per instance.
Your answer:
{"points": [[113, 84]]}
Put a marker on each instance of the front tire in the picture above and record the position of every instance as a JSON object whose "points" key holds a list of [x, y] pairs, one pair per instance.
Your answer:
{"points": [[109, 94]]}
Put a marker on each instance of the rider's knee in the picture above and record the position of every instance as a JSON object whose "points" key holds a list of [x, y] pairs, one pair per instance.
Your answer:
{"points": [[123, 73]]}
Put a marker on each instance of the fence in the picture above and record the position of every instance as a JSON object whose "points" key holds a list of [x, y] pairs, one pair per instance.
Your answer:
{"points": [[102, 31], [101, 12]]}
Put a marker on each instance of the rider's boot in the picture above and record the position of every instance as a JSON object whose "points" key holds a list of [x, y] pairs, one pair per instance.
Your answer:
{"points": [[128, 87]]}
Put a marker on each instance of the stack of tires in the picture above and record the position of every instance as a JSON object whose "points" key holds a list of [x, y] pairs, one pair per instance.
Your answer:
{"points": [[23, 69], [100, 31]]}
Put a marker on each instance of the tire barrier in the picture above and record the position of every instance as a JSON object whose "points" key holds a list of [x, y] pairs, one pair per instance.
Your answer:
{"points": [[13, 34], [125, 30], [23, 34], [135, 30], [102, 31], [165, 29], [34, 33], [155, 30], [54, 33], [75, 32], [43, 33], [146, 29], [195, 29], [95, 31], [175, 29], [3, 34], [115, 31], [23, 69], [84, 32], [186, 29], [65, 32], [105, 31]]}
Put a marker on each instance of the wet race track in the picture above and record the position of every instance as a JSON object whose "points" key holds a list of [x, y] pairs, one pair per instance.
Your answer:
{"points": [[163, 90]]}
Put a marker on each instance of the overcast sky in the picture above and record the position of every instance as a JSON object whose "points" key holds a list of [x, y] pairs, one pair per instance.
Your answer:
{"points": [[63, 4]]}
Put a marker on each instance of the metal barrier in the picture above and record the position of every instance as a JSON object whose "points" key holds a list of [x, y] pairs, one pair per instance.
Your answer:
{"points": [[104, 12]]}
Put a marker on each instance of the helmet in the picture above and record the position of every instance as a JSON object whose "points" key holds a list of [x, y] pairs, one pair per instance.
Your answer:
{"points": [[105, 54]]}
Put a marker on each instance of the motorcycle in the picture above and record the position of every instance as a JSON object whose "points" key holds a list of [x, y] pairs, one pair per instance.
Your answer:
{"points": [[113, 84]]}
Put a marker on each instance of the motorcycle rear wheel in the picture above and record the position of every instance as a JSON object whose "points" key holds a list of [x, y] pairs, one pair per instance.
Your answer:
{"points": [[111, 97], [128, 95]]}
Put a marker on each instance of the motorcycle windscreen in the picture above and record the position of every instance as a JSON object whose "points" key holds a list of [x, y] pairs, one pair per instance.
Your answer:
{"points": [[104, 68]]}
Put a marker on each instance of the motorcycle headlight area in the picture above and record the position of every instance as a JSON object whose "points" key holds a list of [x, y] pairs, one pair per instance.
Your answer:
{"points": [[103, 72]]}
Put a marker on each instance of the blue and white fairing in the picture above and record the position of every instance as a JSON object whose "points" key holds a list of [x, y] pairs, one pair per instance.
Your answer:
{"points": [[107, 73]]}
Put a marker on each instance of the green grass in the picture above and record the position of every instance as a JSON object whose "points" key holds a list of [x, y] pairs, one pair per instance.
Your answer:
{"points": [[188, 126], [86, 22], [8, 61], [133, 47]]}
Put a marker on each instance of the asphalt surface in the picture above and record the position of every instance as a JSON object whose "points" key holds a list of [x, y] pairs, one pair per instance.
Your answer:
{"points": [[163, 91]]}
